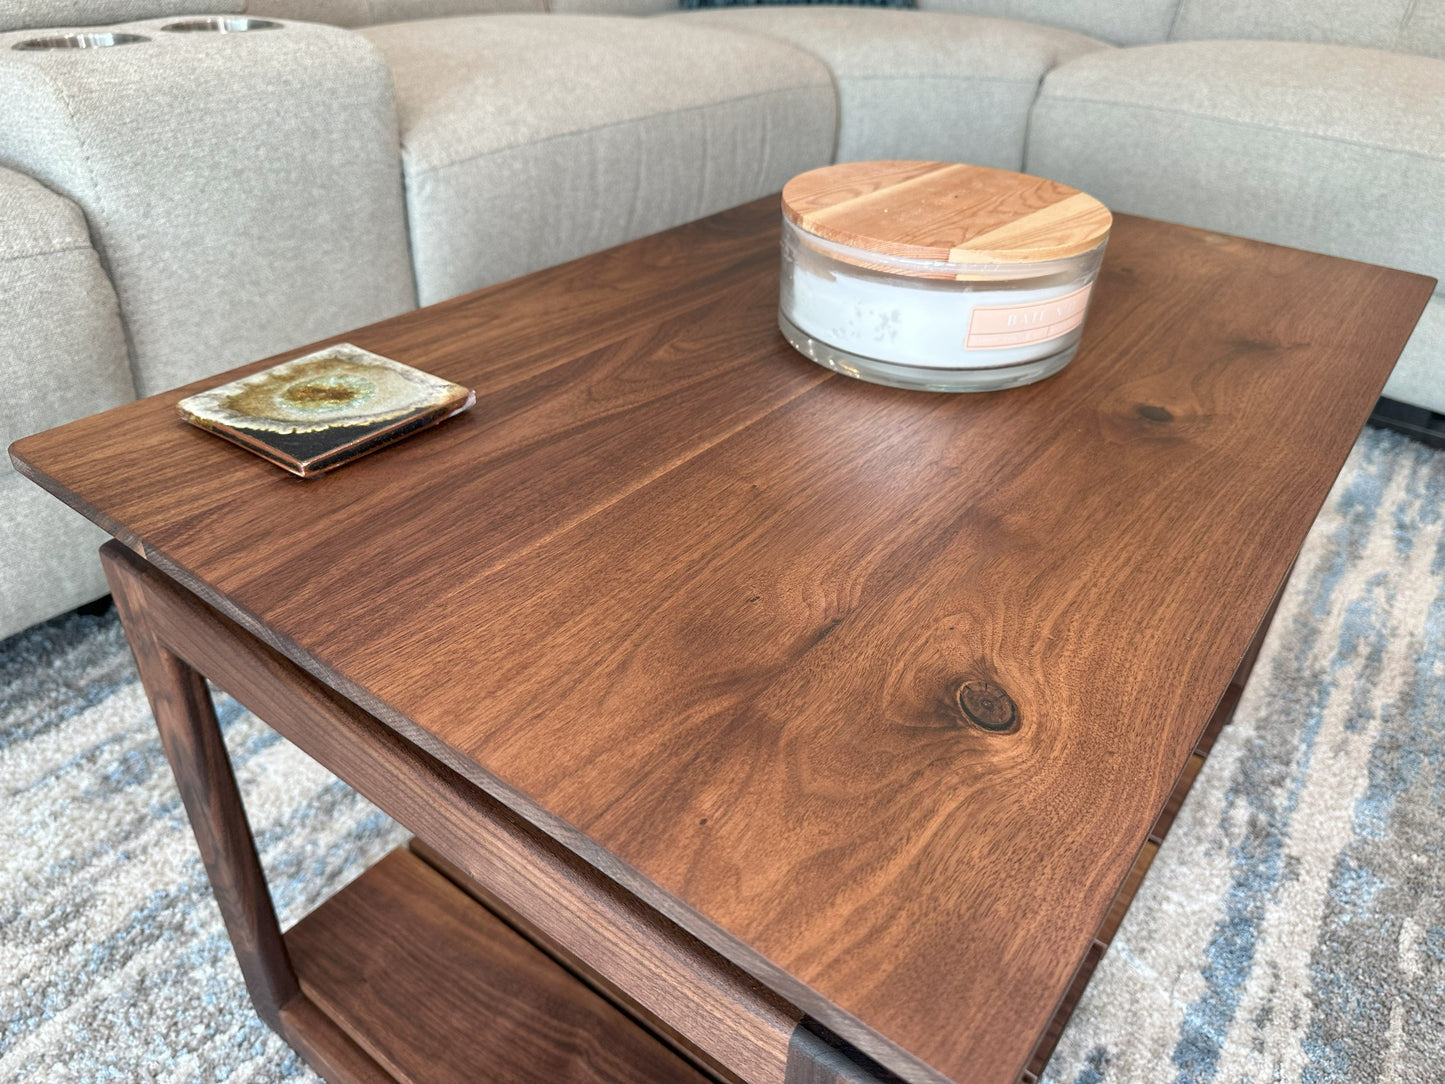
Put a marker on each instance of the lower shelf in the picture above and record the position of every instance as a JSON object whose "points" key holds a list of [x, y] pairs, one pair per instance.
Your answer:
{"points": [[436, 989]]}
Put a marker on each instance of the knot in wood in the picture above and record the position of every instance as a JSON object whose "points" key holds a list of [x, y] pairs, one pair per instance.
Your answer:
{"points": [[1151, 413], [988, 705]]}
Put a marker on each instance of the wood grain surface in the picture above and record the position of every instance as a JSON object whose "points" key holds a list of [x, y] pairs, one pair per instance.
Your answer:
{"points": [[702, 611], [441, 991], [1104, 935], [946, 212]]}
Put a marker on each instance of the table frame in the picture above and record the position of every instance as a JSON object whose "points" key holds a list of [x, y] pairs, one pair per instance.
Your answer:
{"points": [[722, 1020]]}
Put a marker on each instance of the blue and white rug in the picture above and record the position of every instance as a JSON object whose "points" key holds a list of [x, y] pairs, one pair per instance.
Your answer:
{"points": [[114, 965], [1291, 929], [1292, 926]]}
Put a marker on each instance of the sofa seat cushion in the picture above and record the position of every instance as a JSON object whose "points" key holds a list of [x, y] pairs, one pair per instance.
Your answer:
{"points": [[1324, 147], [528, 140], [62, 356], [918, 84]]}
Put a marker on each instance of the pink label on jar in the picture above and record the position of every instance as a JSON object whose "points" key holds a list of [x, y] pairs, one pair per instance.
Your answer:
{"points": [[993, 326]]}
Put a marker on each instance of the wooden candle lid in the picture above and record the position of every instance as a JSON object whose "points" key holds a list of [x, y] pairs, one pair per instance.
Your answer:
{"points": [[946, 212]]}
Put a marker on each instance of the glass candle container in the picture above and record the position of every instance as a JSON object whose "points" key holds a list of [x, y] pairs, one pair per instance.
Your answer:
{"points": [[936, 276]]}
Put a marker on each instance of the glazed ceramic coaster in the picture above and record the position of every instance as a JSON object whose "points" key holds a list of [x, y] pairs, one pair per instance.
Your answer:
{"points": [[320, 411]]}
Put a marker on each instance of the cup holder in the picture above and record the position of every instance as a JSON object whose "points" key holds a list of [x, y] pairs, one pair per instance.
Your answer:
{"points": [[78, 41], [221, 24]]}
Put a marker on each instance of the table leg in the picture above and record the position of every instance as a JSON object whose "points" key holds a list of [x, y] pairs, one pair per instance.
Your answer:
{"points": [[197, 754], [191, 737]]}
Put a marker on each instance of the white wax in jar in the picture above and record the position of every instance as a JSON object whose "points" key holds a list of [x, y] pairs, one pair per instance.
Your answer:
{"points": [[931, 323]]}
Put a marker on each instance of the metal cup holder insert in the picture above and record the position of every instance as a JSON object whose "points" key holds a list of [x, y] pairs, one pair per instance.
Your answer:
{"points": [[221, 24], [78, 41]]}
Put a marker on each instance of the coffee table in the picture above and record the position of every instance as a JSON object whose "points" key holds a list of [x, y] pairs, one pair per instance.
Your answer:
{"points": [[753, 722]]}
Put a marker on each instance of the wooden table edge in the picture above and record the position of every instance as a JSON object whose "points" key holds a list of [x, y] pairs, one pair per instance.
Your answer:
{"points": [[459, 821]]}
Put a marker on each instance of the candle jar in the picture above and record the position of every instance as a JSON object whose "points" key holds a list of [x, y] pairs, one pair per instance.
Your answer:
{"points": [[936, 276]]}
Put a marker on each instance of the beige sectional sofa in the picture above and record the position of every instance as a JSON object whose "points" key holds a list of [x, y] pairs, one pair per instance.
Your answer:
{"points": [[175, 206]]}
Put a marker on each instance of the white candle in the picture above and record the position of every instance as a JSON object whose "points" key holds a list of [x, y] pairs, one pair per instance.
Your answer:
{"points": [[937, 323]]}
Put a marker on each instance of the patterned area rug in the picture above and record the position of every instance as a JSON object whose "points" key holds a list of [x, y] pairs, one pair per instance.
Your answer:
{"points": [[1292, 927], [114, 965]]}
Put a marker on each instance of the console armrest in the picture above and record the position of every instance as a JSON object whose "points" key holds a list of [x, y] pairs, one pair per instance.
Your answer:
{"points": [[243, 189], [62, 356], [30, 14]]}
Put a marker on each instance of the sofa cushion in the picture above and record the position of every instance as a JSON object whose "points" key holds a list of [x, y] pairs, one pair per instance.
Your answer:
{"points": [[37, 14], [528, 140], [1414, 26], [1131, 22], [915, 84], [1322, 147], [353, 13], [62, 356]]}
